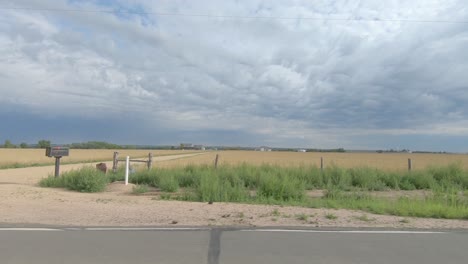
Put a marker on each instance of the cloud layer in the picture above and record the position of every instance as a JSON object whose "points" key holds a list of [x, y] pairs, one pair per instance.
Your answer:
{"points": [[281, 82]]}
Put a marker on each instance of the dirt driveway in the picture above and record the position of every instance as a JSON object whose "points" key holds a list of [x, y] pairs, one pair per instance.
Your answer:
{"points": [[22, 202]]}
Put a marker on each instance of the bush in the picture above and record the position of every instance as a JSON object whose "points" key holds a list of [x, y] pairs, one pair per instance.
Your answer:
{"points": [[337, 176], [281, 188], [217, 187], [52, 182], [420, 179], [168, 183], [450, 175], [148, 177], [367, 178], [119, 175], [86, 179]]}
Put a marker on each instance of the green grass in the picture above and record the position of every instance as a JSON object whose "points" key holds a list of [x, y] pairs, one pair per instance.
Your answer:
{"points": [[331, 216], [269, 184], [302, 217], [139, 189], [52, 182], [447, 206], [364, 218], [275, 213], [404, 221], [86, 179]]}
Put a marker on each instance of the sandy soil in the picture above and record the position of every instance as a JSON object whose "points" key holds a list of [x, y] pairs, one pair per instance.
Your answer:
{"points": [[23, 202]]}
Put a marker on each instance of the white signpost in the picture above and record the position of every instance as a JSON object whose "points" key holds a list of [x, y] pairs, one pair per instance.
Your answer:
{"points": [[127, 166]]}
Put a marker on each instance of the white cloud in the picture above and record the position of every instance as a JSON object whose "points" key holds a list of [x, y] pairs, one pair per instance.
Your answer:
{"points": [[291, 81]]}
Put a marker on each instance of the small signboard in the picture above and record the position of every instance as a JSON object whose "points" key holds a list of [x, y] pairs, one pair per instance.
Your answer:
{"points": [[57, 151]]}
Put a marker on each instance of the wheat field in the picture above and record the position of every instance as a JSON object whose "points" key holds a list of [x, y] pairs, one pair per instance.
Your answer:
{"points": [[385, 161], [37, 156]]}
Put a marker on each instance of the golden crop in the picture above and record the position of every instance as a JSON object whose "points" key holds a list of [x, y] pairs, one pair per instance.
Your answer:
{"points": [[37, 156], [385, 161]]}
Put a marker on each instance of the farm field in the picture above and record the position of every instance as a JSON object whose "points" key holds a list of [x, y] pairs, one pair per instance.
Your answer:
{"points": [[23, 201], [383, 161], [10, 158]]}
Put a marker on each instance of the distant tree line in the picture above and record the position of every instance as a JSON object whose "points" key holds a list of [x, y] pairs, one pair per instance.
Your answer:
{"points": [[40, 144], [95, 145], [326, 150], [43, 143]]}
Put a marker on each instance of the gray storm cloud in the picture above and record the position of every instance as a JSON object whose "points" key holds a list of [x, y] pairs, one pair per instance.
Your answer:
{"points": [[290, 81]]}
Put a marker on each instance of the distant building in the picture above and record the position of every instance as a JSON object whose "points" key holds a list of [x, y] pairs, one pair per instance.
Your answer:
{"points": [[198, 147], [263, 148], [186, 146], [191, 146], [301, 150]]}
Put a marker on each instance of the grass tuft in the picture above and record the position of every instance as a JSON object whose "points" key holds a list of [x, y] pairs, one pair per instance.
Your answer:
{"points": [[139, 189], [302, 217], [331, 216]]}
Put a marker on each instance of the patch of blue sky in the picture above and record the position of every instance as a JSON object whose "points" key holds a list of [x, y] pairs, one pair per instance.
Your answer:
{"points": [[122, 10]]}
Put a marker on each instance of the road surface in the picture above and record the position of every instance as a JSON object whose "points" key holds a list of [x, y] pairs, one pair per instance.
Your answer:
{"points": [[160, 245]]}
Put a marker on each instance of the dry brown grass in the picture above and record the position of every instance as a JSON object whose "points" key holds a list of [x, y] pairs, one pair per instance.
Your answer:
{"points": [[37, 156], [385, 161]]}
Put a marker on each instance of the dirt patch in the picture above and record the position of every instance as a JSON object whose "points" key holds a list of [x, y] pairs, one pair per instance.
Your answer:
{"points": [[119, 187], [118, 207]]}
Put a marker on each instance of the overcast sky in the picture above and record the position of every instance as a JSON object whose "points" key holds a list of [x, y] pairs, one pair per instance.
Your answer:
{"points": [[321, 74]]}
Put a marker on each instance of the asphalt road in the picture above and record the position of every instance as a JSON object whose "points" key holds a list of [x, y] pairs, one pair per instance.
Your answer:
{"points": [[229, 246]]}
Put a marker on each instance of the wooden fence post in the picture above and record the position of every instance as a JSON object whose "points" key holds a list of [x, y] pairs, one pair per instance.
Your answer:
{"points": [[115, 162], [150, 161], [410, 165], [321, 164], [216, 161]]}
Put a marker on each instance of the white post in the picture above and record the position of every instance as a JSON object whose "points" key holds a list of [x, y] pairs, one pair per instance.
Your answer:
{"points": [[127, 165]]}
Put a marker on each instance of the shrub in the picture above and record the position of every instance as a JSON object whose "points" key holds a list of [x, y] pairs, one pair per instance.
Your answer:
{"points": [[337, 176], [391, 180], [119, 175], [214, 187], [168, 183], [367, 178], [86, 179], [420, 179], [280, 188], [148, 177], [52, 182], [452, 174]]}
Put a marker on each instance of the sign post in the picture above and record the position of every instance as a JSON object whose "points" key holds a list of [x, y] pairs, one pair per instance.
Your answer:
{"points": [[57, 166], [127, 165], [57, 153]]}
